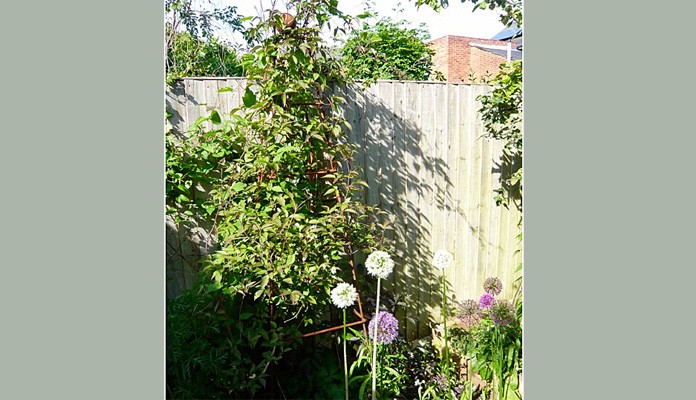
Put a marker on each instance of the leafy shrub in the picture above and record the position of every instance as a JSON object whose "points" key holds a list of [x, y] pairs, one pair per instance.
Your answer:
{"points": [[215, 349], [388, 50], [311, 372]]}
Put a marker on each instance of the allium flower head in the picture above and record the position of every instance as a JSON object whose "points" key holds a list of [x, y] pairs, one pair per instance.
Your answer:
{"points": [[380, 264], [469, 313], [486, 300], [502, 313], [492, 286], [442, 259], [387, 327], [344, 295]]}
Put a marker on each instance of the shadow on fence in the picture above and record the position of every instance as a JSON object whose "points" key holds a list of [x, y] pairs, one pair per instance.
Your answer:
{"points": [[419, 147]]}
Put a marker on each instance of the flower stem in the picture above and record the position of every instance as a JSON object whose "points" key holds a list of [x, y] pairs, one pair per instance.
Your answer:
{"points": [[444, 321], [375, 342], [345, 354]]}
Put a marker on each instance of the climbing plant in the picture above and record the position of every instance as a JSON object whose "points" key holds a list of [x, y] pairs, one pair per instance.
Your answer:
{"points": [[286, 215], [275, 177], [501, 112]]}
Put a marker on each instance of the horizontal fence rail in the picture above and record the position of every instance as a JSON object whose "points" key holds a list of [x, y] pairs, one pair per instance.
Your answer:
{"points": [[422, 151]]}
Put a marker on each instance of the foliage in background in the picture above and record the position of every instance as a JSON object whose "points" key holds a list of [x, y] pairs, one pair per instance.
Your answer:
{"points": [[191, 56], [388, 49], [276, 181], [191, 45], [501, 112], [511, 10], [193, 17]]}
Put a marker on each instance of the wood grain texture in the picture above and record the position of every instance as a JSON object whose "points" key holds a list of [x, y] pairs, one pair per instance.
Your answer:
{"points": [[421, 148]]}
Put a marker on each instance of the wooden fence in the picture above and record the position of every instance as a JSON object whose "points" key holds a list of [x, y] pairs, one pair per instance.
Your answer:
{"points": [[424, 157]]}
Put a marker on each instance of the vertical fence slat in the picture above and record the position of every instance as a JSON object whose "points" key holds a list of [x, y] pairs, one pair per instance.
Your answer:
{"points": [[473, 195], [452, 240], [412, 166], [464, 229], [371, 143], [426, 202]]}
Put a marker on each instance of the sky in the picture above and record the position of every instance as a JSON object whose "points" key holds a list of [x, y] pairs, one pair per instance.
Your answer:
{"points": [[458, 19]]}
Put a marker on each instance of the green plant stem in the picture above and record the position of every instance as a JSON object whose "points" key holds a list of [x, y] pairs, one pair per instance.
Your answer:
{"points": [[345, 354], [375, 342], [499, 360], [444, 319]]}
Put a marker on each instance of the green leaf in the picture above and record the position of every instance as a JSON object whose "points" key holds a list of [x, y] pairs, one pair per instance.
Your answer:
{"points": [[264, 281], [225, 89], [237, 186], [249, 98], [258, 294], [215, 117], [245, 315], [294, 296]]}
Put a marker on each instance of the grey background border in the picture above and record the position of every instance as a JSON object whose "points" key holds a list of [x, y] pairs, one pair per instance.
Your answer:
{"points": [[608, 192], [82, 161], [608, 200]]}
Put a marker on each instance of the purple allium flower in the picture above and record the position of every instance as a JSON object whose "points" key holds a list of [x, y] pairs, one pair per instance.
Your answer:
{"points": [[493, 286], [387, 329], [486, 300], [502, 313], [469, 313]]}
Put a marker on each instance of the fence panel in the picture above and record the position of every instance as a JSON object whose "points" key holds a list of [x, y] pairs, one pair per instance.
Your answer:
{"points": [[423, 154]]}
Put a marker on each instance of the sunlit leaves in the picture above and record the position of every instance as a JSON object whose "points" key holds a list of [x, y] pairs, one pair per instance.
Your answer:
{"points": [[388, 50]]}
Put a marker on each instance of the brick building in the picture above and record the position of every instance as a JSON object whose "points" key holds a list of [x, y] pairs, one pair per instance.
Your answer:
{"points": [[457, 57]]}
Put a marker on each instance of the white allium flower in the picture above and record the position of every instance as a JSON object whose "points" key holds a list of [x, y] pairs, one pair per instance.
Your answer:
{"points": [[379, 264], [344, 295], [442, 259]]}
